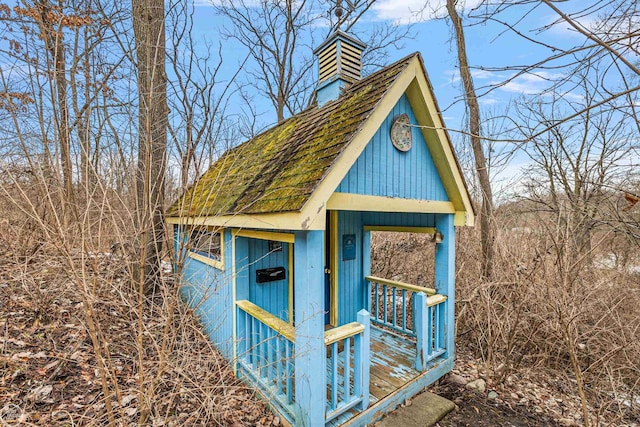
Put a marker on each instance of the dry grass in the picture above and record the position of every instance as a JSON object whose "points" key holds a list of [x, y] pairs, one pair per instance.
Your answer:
{"points": [[572, 323], [80, 346]]}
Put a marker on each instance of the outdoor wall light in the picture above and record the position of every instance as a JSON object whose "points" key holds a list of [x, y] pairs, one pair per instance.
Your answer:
{"points": [[438, 237]]}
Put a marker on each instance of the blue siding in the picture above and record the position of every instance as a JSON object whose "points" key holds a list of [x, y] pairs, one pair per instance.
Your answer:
{"points": [[271, 296], [209, 292], [382, 170], [350, 290], [351, 284], [398, 219]]}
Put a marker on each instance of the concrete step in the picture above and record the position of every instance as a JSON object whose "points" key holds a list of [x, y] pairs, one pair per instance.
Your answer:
{"points": [[425, 410]]}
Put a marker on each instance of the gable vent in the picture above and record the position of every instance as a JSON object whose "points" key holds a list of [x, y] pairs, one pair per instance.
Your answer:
{"points": [[339, 62]]}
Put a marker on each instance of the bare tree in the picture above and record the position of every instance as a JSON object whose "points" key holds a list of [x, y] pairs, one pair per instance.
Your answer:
{"points": [[280, 36], [577, 167], [149, 32], [606, 35], [272, 33], [475, 135], [197, 99]]}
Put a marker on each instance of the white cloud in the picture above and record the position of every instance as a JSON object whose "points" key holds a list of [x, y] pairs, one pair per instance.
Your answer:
{"points": [[488, 100], [529, 84], [453, 75], [411, 11]]}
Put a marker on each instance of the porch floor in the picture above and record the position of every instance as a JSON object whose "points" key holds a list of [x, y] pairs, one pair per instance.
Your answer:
{"points": [[392, 366], [393, 361]]}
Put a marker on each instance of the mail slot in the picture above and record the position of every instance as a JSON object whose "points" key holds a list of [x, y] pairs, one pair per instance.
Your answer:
{"points": [[270, 274]]}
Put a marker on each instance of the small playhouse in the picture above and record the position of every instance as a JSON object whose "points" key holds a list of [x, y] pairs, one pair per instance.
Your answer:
{"points": [[273, 245]]}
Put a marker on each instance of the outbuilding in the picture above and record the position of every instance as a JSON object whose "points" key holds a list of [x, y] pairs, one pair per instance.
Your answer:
{"points": [[273, 243]]}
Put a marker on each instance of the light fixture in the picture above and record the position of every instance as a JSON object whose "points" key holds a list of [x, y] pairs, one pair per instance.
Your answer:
{"points": [[438, 237]]}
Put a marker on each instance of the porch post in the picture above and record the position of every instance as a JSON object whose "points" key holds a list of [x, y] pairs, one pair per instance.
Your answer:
{"points": [[240, 271], [310, 356], [366, 268], [445, 277], [421, 328], [363, 363]]}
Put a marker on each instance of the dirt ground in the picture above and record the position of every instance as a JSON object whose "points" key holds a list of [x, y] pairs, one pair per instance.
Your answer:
{"points": [[475, 410], [49, 374]]}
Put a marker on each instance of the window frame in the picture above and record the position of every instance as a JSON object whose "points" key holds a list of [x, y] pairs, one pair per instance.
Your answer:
{"points": [[209, 259]]}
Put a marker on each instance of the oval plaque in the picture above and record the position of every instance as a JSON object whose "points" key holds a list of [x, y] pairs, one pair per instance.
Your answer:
{"points": [[401, 136]]}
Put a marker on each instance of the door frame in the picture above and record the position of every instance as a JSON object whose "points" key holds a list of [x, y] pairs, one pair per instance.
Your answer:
{"points": [[331, 268]]}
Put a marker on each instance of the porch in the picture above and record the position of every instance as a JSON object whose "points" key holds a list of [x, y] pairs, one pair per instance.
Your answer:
{"points": [[388, 356]]}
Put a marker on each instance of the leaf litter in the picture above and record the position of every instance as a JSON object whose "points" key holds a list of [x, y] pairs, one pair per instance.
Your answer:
{"points": [[49, 371]]}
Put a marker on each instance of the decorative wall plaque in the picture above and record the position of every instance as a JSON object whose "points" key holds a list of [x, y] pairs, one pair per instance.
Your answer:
{"points": [[401, 136]]}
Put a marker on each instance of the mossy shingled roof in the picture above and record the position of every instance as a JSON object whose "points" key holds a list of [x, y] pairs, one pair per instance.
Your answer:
{"points": [[278, 170]]}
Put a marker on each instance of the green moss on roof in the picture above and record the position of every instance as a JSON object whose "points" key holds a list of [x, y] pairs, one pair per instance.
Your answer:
{"points": [[278, 170]]}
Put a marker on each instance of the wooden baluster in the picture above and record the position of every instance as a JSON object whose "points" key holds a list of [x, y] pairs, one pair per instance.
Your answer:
{"points": [[441, 324], [334, 375], [393, 301], [404, 310], [384, 304], [346, 369], [432, 338], [289, 370], [376, 314], [279, 360], [252, 339]]}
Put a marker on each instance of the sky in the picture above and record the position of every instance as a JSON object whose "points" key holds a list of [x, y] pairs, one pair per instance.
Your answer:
{"points": [[488, 45]]}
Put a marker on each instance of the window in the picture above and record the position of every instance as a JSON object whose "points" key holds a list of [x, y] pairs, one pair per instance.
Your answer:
{"points": [[205, 245]]}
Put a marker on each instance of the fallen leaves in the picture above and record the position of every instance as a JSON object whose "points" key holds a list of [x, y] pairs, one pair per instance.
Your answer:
{"points": [[41, 394], [50, 374]]}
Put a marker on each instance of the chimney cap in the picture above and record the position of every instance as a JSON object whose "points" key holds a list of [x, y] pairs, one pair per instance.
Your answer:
{"points": [[338, 34]]}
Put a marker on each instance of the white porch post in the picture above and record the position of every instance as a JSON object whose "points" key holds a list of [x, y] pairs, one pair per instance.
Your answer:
{"points": [[310, 356], [445, 277]]}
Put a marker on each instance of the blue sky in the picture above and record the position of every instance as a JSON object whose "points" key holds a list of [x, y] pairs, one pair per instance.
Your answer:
{"points": [[433, 39], [489, 45]]}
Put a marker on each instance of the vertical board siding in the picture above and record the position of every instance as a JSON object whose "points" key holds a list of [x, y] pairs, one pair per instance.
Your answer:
{"points": [[209, 292], [398, 219], [271, 296], [350, 290], [352, 286], [382, 170]]}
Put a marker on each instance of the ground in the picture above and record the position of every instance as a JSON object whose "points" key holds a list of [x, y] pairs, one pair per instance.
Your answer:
{"points": [[53, 322], [474, 409], [50, 375]]}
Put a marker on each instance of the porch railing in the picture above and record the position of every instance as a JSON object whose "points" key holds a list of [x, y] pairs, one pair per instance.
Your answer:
{"points": [[392, 303], [414, 311], [431, 315], [348, 366], [265, 352]]}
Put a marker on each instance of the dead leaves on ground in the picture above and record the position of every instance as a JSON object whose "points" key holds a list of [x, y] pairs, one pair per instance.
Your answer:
{"points": [[49, 374]]}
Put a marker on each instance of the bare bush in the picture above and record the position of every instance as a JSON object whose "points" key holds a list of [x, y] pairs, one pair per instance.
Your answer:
{"points": [[574, 324], [78, 343]]}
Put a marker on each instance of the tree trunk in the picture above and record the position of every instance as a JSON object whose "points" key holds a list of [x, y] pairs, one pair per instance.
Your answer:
{"points": [[148, 27], [486, 212], [54, 42]]}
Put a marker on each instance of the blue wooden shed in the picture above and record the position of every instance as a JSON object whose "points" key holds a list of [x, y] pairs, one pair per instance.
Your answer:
{"points": [[273, 245]]}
